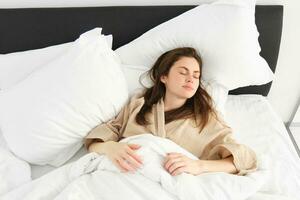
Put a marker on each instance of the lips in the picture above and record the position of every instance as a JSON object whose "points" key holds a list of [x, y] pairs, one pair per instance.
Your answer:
{"points": [[188, 87]]}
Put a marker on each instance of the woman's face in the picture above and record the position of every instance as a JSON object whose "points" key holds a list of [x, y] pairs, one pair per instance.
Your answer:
{"points": [[183, 78]]}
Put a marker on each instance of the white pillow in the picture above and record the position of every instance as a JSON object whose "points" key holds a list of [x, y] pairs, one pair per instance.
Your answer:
{"points": [[13, 171], [219, 95], [223, 32], [45, 117], [16, 66], [133, 73]]}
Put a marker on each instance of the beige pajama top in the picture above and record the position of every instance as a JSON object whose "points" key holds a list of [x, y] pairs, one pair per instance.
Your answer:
{"points": [[214, 142]]}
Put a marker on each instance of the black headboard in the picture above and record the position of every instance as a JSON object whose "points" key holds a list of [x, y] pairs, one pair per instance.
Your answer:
{"points": [[32, 28]]}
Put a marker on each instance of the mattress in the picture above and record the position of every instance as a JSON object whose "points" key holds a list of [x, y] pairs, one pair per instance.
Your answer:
{"points": [[256, 124]]}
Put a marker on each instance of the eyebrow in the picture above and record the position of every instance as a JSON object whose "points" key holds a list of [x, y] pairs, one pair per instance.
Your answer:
{"points": [[187, 69]]}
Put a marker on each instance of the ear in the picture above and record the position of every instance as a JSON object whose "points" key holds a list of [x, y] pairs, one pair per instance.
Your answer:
{"points": [[163, 79]]}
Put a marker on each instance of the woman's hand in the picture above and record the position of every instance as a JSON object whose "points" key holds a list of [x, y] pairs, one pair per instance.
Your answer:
{"points": [[176, 163], [121, 154]]}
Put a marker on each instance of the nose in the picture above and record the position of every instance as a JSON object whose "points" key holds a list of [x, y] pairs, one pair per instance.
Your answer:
{"points": [[189, 78]]}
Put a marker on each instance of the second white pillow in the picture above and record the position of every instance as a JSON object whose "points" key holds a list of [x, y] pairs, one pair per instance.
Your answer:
{"points": [[223, 32], [45, 117], [14, 67]]}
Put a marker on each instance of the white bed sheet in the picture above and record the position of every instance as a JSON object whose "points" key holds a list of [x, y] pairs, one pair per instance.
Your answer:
{"points": [[37, 170], [255, 124]]}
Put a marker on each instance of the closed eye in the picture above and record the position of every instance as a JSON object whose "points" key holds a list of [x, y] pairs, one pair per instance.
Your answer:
{"points": [[196, 77]]}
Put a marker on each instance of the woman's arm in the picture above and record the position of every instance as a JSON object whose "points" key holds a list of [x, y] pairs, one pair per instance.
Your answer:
{"points": [[112, 130], [177, 163], [97, 147], [109, 131], [223, 146], [223, 165]]}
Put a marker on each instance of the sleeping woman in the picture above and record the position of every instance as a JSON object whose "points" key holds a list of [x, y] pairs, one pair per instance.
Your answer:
{"points": [[178, 108]]}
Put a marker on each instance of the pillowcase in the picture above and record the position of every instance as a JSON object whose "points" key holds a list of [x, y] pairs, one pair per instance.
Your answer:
{"points": [[224, 34], [13, 171], [135, 74], [219, 95], [45, 117], [14, 67]]}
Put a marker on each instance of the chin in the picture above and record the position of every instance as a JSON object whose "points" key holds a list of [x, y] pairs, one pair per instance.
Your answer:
{"points": [[190, 96], [187, 95]]}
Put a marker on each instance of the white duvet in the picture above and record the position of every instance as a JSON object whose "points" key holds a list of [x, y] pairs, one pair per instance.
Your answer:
{"points": [[95, 177], [255, 124]]}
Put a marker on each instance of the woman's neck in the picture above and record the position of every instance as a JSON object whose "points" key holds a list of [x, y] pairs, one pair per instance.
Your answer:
{"points": [[172, 102]]}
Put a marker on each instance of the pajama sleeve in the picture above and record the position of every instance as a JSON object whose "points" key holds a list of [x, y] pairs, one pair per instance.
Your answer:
{"points": [[109, 131], [224, 145]]}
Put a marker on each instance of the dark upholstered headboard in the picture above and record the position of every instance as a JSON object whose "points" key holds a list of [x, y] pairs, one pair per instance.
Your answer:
{"points": [[32, 28]]}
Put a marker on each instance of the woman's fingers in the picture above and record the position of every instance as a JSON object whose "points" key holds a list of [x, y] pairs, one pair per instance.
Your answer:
{"points": [[117, 163], [128, 160], [124, 164], [175, 166], [134, 146], [123, 155], [135, 156], [169, 160], [175, 163], [178, 171], [133, 162]]}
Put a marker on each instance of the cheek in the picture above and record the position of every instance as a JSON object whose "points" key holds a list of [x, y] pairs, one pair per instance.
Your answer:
{"points": [[178, 78]]}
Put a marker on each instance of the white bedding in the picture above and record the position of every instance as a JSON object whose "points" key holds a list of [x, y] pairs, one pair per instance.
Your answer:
{"points": [[38, 171], [13, 171], [255, 123]]}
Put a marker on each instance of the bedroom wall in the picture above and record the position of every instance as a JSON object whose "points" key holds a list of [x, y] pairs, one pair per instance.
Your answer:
{"points": [[285, 92]]}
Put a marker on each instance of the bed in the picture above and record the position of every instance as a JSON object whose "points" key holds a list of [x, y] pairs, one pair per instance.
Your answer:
{"points": [[247, 108]]}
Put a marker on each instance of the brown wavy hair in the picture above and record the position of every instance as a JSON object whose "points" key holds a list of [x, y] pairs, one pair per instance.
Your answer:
{"points": [[199, 106]]}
